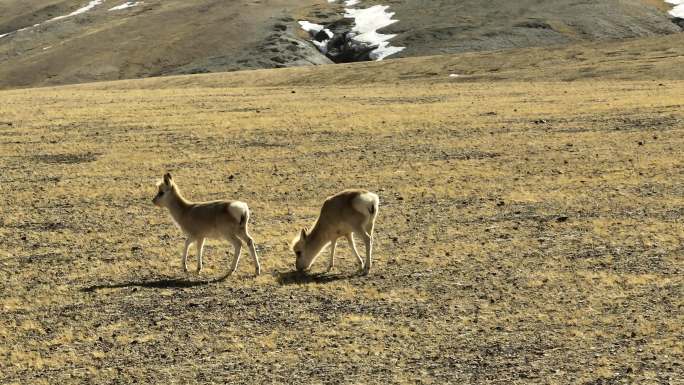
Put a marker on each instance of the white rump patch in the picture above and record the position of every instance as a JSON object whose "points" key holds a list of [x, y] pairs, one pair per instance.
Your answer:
{"points": [[237, 209], [365, 201]]}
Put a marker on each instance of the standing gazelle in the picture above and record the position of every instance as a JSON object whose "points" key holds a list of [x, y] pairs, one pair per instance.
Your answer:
{"points": [[198, 221], [342, 215]]}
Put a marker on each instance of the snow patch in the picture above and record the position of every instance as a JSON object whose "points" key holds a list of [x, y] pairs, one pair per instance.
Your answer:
{"points": [[91, 5], [128, 4], [84, 9], [678, 10], [348, 3], [311, 27], [367, 21]]}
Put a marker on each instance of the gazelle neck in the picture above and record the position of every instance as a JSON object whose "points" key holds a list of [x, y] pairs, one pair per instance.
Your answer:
{"points": [[315, 241], [177, 204]]}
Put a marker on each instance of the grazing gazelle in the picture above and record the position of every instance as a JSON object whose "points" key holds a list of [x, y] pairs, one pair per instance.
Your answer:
{"points": [[342, 215], [198, 221]]}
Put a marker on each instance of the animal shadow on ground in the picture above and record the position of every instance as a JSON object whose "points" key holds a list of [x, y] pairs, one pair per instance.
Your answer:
{"points": [[163, 283], [301, 278]]}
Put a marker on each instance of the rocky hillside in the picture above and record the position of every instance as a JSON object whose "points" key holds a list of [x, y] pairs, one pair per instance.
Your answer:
{"points": [[474, 25], [47, 42], [150, 39]]}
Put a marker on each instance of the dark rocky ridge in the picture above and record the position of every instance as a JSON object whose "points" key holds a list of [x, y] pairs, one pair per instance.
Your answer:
{"points": [[342, 48], [679, 22]]}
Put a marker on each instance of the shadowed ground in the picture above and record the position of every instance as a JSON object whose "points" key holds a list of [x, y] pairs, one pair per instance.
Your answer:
{"points": [[164, 283]]}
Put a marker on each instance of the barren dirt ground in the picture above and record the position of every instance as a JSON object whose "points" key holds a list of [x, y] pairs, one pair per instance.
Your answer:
{"points": [[527, 233]]}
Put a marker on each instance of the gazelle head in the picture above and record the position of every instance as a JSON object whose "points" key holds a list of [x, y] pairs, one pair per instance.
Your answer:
{"points": [[303, 259], [164, 189]]}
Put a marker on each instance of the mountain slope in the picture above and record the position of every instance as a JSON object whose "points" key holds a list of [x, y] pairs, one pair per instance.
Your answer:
{"points": [[173, 37], [429, 27], [655, 58], [153, 39]]}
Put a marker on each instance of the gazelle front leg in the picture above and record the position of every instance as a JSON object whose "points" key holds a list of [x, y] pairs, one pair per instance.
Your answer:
{"points": [[200, 251], [188, 242], [332, 256], [350, 239]]}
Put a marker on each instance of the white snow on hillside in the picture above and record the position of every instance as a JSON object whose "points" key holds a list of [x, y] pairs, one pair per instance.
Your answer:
{"points": [[311, 28], [92, 4], [678, 10], [348, 3], [315, 28], [367, 21], [126, 5]]}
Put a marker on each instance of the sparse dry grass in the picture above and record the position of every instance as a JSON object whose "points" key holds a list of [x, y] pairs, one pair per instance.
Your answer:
{"points": [[507, 250]]}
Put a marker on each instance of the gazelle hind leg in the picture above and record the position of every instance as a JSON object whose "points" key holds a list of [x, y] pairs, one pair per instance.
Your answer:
{"points": [[368, 241], [200, 251], [252, 250], [237, 245], [352, 246]]}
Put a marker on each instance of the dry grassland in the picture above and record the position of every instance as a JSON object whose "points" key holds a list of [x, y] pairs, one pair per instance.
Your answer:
{"points": [[528, 233]]}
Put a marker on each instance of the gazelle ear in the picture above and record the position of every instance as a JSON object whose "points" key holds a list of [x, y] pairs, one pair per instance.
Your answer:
{"points": [[167, 178], [303, 234]]}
